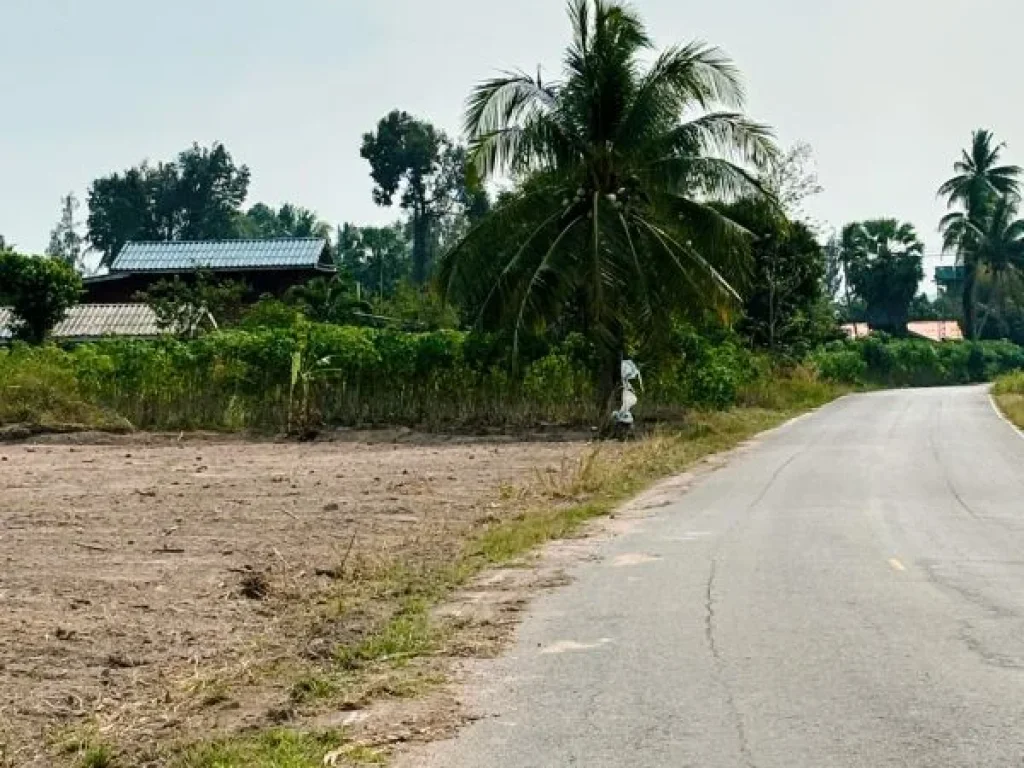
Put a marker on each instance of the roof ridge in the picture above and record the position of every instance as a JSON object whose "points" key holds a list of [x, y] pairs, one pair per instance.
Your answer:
{"points": [[226, 240]]}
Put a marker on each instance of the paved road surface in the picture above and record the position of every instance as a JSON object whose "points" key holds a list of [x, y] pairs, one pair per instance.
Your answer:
{"points": [[848, 593]]}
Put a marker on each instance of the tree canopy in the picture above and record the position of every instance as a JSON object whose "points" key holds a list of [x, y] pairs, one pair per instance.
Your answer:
{"points": [[413, 162], [785, 307], [198, 196], [618, 162], [972, 194], [883, 261], [66, 243], [262, 221], [40, 291]]}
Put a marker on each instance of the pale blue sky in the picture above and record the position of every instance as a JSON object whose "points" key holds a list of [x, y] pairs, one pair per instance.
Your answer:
{"points": [[885, 91]]}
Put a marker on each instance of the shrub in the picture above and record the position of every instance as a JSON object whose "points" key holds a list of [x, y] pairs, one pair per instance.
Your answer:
{"points": [[916, 362]]}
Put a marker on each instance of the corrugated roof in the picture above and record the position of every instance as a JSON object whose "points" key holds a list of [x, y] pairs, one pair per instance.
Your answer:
{"points": [[220, 254], [93, 321]]}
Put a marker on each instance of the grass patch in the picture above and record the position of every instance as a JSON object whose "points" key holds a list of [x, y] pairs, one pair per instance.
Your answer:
{"points": [[408, 634], [1008, 392], [98, 756], [279, 748], [38, 388]]}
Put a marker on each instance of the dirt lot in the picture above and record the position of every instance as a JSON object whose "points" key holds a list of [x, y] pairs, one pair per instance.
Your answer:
{"points": [[149, 590]]}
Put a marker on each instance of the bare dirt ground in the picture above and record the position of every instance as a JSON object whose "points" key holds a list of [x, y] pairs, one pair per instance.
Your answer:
{"points": [[149, 589]]}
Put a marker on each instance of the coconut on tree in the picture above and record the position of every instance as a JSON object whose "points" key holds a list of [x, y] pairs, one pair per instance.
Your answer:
{"points": [[611, 225]]}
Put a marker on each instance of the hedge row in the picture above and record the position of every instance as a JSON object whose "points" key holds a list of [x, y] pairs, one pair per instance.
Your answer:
{"points": [[288, 378], [915, 362]]}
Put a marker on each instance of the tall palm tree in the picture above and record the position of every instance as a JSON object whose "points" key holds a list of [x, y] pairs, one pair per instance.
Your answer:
{"points": [[616, 165], [998, 246], [979, 182]]}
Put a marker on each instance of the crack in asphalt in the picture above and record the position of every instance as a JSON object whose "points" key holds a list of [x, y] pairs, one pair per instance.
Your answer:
{"points": [[717, 659], [719, 665]]}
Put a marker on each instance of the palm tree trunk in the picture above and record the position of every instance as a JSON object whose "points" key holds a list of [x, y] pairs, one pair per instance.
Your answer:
{"points": [[970, 307]]}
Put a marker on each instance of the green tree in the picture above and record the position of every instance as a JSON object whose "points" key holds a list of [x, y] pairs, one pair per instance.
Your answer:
{"points": [[324, 300], [979, 182], [420, 166], [883, 259], [998, 248], [377, 257], [612, 221], [39, 290], [784, 307], [262, 222], [66, 244], [187, 305], [832, 254], [196, 197]]}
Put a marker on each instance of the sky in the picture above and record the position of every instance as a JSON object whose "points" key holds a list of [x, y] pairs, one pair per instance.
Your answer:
{"points": [[885, 91]]}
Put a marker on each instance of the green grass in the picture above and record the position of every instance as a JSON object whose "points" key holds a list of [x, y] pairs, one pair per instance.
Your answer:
{"points": [[279, 748], [41, 391], [312, 688], [98, 756], [408, 634], [1008, 392]]}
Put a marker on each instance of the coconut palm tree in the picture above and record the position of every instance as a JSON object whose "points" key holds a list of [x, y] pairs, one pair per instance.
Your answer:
{"points": [[617, 164], [979, 182], [998, 247]]}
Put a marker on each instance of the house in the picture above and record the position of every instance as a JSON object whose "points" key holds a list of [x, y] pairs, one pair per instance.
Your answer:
{"points": [[934, 330], [266, 266], [89, 322]]}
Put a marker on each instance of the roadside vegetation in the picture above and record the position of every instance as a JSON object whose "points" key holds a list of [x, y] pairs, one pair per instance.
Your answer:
{"points": [[1008, 392]]}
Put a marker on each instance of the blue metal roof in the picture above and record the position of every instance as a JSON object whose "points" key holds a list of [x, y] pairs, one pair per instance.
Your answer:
{"points": [[284, 253]]}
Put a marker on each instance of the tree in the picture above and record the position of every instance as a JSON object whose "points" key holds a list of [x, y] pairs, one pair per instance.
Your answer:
{"points": [[792, 180], [997, 245], [979, 182], [883, 259], [196, 197], [184, 306], [66, 244], [377, 257], [325, 300], [833, 268], [39, 290], [262, 222], [784, 306], [612, 220], [413, 161]]}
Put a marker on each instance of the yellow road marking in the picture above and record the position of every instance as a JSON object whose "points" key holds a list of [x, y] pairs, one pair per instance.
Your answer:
{"points": [[897, 565]]}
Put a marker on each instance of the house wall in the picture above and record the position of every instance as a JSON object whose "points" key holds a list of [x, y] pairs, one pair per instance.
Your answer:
{"points": [[260, 282]]}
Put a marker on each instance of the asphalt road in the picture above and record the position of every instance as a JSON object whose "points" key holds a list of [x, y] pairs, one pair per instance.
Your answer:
{"points": [[850, 592]]}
